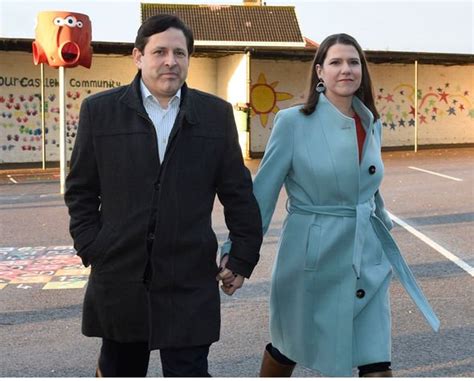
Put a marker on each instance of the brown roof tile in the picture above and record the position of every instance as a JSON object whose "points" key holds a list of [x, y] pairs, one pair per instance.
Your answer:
{"points": [[235, 24]]}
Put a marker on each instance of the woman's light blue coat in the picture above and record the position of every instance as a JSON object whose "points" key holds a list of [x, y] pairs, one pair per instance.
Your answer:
{"points": [[334, 241]]}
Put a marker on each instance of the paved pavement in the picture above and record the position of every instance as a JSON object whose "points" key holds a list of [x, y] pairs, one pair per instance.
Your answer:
{"points": [[41, 286]]}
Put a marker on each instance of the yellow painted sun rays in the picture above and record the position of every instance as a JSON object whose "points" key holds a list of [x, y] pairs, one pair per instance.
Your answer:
{"points": [[263, 98]]}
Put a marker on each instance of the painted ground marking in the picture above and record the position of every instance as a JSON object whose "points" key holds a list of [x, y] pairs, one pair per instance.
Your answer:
{"points": [[435, 173], [446, 253]]}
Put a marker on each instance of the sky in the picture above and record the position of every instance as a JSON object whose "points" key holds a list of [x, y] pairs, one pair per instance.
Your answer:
{"points": [[434, 26]]}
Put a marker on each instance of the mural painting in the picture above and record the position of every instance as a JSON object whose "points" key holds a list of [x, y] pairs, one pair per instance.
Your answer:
{"points": [[275, 85], [264, 97], [435, 104], [20, 118], [20, 102], [445, 101], [20, 121], [46, 268]]}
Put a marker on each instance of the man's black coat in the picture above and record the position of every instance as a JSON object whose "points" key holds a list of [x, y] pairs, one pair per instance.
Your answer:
{"points": [[145, 228]]}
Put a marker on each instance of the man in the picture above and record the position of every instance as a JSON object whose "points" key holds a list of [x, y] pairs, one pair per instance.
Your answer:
{"points": [[148, 161]]}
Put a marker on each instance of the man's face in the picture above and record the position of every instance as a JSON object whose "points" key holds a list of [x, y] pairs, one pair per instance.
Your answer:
{"points": [[164, 63]]}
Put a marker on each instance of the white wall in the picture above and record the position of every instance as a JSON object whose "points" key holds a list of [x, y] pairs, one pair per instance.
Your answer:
{"points": [[445, 103], [202, 74], [276, 84], [232, 86], [231, 78], [20, 120]]}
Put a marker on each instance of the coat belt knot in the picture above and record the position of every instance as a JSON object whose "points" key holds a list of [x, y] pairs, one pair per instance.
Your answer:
{"points": [[361, 212], [365, 213]]}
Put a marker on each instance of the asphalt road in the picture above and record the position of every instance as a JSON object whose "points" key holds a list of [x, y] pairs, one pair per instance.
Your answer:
{"points": [[40, 328]]}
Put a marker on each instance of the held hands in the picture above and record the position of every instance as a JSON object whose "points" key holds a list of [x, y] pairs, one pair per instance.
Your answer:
{"points": [[231, 282]]}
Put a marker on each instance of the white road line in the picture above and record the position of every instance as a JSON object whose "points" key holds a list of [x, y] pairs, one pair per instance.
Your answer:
{"points": [[459, 262], [435, 173], [12, 179]]}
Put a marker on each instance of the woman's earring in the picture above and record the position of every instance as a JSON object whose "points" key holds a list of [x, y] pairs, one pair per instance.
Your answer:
{"points": [[320, 87]]}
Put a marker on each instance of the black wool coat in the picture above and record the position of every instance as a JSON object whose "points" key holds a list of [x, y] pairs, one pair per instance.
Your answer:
{"points": [[145, 228]]}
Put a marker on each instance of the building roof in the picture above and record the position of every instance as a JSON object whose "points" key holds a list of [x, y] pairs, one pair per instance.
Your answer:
{"points": [[309, 43], [305, 54], [235, 25]]}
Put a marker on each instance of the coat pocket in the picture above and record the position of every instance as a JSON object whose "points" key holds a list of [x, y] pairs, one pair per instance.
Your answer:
{"points": [[97, 251], [209, 253], [313, 248]]}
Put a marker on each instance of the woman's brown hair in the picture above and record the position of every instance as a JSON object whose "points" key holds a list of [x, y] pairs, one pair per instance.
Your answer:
{"points": [[364, 93]]}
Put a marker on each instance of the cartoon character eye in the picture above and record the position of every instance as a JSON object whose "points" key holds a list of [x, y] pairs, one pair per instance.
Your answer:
{"points": [[79, 24], [58, 21], [70, 21]]}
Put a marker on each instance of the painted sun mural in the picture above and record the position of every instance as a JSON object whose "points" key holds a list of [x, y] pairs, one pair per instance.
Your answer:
{"points": [[264, 98], [396, 105]]}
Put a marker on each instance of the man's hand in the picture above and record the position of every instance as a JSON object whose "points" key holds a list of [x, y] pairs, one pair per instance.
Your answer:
{"points": [[231, 282]]}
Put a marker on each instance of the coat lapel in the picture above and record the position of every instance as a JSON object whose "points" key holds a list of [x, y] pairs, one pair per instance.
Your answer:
{"points": [[186, 116], [367, 119], [186, 112], [133, 97], [341, 140]]}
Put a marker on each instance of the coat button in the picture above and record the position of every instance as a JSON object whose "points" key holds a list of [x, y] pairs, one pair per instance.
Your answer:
{"points": [[360, 293], [157, 185], [372, 169], [151, 236]]}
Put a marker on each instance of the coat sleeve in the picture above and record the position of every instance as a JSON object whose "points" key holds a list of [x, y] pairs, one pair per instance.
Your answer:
{"points": [[273, 170], [82, 195], [380, 210], [242, 216]]}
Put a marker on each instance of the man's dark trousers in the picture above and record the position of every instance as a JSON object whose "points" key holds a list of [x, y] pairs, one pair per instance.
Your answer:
{"points": [[131, 360]]}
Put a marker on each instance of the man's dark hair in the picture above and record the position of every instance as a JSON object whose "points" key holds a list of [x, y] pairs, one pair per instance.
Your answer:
{"points": [[160, 23]]}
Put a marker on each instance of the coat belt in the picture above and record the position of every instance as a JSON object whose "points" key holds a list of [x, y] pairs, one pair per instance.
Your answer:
{"points": [[365, 213]]}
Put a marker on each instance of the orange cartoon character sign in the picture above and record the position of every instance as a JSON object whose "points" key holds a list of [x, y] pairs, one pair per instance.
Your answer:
{"points": [[63, 39]]}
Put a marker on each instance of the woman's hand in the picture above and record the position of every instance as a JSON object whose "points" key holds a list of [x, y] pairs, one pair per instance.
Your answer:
{"points": [[231, 282]]}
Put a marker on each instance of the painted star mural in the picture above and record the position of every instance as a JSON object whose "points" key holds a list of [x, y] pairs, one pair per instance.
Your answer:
{"points": [[435, 102]]}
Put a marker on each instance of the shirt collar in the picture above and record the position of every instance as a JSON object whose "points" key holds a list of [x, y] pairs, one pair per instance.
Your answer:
{"points": [[147, 95]]}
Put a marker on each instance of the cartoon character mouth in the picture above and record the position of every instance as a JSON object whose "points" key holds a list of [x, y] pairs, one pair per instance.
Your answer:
{"points": [[70, 52]]}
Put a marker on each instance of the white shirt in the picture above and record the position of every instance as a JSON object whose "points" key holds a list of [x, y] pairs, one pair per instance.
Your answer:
{"points": [[163, 118]]}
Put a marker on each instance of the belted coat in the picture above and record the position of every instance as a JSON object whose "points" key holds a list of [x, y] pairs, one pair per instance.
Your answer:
{"points": [[145, 227], [329, 304]]}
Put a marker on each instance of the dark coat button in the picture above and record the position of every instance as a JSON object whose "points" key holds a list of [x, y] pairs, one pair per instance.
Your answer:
{"points": [[151, 236], [372, 169], [360, 293], [157, 186]]}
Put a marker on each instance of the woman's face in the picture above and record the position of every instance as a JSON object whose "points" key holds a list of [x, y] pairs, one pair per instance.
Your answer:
{"points": [[341, 71]]}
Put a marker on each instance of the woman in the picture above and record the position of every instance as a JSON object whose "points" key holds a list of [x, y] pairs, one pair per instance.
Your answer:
{"points": [[329, 305]]}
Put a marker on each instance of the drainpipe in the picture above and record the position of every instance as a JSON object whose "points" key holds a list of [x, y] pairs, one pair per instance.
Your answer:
{"points": [[247, 100], [416, 105], [43, 129], [62, 129]]}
